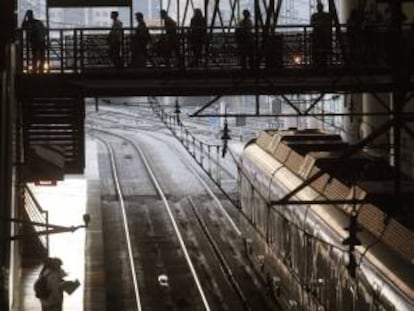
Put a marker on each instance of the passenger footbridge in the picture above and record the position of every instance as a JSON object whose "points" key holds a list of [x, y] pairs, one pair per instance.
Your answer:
{"points": [[286, 61]]}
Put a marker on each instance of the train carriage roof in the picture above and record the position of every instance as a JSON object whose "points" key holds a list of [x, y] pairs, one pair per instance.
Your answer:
{"points": [[305, 152]]}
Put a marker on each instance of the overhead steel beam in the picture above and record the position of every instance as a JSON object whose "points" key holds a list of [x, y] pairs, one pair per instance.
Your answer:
{"points": [[315, 102], [294, 115], [277, 11], [205, 106], [408, 130], [320, 202], [292, 105], [381, 102]]}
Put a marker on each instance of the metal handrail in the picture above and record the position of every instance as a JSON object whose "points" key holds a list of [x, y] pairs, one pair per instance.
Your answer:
{"points": [[281, 47], [36, 214]]}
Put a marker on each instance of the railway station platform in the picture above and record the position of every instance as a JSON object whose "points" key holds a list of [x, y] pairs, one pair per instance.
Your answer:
{"points": [[80, 251]]}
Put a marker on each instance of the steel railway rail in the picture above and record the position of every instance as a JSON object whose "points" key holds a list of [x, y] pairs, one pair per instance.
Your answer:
{"points": [[167, 206], [136, 127], [243, 290], [124, 224], [242, 279], [217, 243]]}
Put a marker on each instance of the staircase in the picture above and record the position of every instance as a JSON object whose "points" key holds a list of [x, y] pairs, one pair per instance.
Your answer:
{"points": [[53, 135]]}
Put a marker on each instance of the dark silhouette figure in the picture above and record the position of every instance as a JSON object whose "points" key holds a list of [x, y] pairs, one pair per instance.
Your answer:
{"points": [[140, 41], [50, 285], [36, 38], [170, 44], [245, 41], [53, 284], [197, 36], [355, 38], [321, 23], [115, 40]]}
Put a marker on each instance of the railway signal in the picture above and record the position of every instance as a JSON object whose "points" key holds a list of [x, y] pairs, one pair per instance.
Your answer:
{"points": [[352, 241], [225, 137]]}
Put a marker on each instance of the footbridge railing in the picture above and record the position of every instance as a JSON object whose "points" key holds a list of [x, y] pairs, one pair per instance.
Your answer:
{"points": [[82, 50]]}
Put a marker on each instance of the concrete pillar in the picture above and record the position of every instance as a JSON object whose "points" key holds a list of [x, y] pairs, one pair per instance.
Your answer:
{"points": [[351, 124], [371, 122], [8, 22], [7, 25]]}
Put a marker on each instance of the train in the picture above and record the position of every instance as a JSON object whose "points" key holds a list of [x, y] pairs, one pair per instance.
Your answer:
{"points": [[309, 253]]}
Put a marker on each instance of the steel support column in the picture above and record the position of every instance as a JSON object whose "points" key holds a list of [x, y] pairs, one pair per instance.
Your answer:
{"points": [[398, 96], [8, 24]]}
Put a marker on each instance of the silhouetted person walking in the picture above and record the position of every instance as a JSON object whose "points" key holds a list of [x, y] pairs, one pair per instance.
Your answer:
{"points": [[321, 23], [115, 40], [36, 38], [197, 36], [354, 37], [245, 41], [171, 44], [139, 42]]}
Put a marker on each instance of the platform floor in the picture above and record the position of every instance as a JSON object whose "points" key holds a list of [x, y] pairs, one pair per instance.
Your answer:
{"points": [[81, 251]]}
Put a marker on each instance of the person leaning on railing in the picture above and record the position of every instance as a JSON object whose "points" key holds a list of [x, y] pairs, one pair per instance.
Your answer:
{"points": [[321, 23], [355, 38], [36, 38], [115, 40], [197, 36], [245, 41]]}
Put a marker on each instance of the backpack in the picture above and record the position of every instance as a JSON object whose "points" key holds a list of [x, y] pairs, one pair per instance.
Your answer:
{"points": [[40, 287]]}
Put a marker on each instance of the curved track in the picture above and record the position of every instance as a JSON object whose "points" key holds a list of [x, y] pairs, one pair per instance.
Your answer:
{"points": [[161, 264], [237, 288]]}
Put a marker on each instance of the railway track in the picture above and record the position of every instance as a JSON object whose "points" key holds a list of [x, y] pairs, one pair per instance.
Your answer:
{"points": [[214, 283], [131, 123], [164, 262], [226, 242], [125, 226]]}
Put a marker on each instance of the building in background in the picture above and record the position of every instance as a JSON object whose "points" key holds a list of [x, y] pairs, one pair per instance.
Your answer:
{"points": [[38, 7]]}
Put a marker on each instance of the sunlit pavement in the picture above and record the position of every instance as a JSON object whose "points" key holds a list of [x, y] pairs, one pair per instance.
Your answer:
{"points": [[66, 204]]}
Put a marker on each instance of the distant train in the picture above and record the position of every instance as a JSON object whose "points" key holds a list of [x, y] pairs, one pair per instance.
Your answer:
{"points": [[298, 248]]}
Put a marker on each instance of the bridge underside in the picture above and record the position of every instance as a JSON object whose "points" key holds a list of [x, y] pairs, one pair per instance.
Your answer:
{"points": [[170, 82]]}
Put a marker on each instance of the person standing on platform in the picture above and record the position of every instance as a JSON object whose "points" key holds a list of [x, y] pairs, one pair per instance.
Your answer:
{"points": [[171, 44], [197, 36], [49, 285], [36, 37], [245, 41], [321, 23], [139, 42], [115, 40]]}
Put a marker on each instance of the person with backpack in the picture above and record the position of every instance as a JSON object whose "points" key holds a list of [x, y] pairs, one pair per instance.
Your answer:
{"points": [[50, 285], [36, 39]]}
